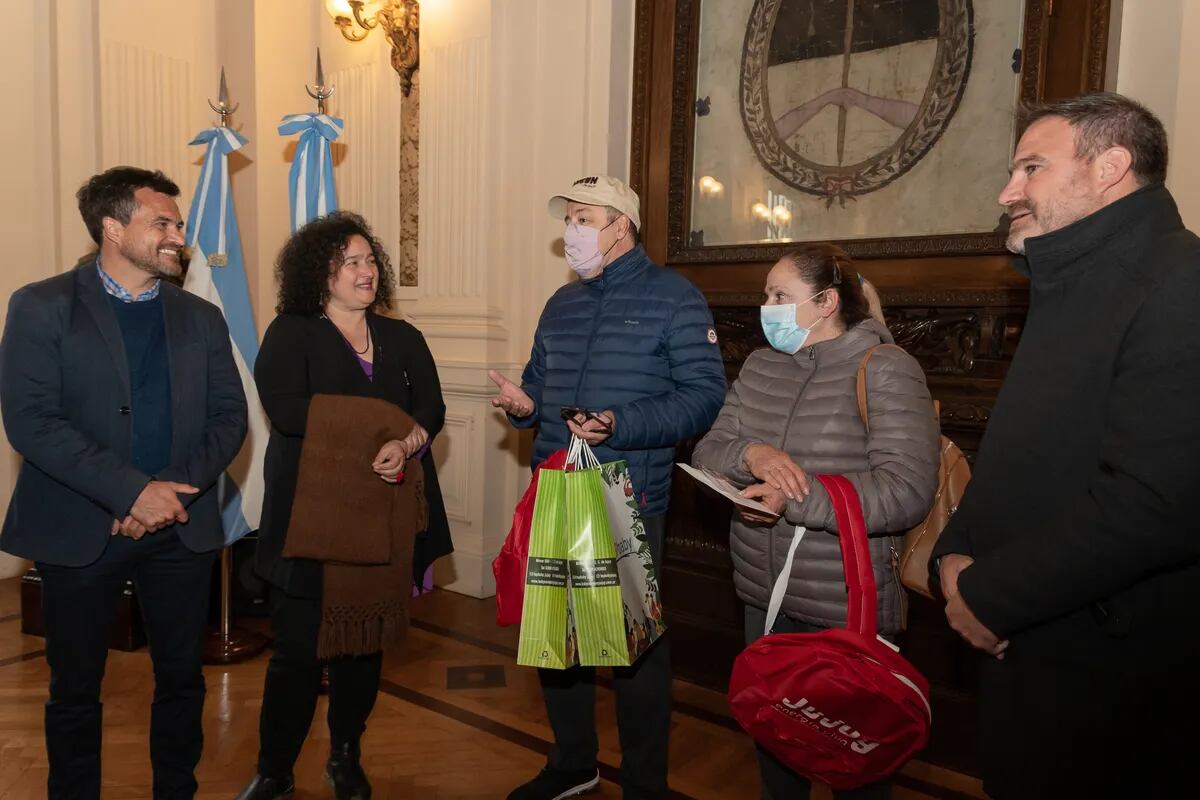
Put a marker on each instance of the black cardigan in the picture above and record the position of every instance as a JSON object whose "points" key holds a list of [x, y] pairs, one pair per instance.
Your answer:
{"points": [[302, 356]]}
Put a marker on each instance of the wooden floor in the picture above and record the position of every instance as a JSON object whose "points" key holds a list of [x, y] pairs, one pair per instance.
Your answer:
{"points": [[456, 719]]}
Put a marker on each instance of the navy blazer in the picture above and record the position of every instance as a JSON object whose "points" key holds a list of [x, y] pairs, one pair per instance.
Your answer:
{"points": [[65, 398]]}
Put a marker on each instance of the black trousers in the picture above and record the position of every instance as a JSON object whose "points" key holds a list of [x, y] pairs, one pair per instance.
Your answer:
{"points": [[780, 782], [78, 607], [643, 710], [1062, 723], [293, 683]]}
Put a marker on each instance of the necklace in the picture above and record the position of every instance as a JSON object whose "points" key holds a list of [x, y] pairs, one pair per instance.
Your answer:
{"points": [[366, 346], [350, 344]]}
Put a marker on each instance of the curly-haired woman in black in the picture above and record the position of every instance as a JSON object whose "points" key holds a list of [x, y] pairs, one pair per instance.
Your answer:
{"points": [[328, 339]]}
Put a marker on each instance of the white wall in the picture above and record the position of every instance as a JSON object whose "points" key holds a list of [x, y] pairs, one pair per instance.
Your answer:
{"points": [[518, 99], [1157, 62]]}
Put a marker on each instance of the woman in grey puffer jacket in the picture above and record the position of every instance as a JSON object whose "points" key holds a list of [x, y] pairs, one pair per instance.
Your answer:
{"points": [[792, 413]]}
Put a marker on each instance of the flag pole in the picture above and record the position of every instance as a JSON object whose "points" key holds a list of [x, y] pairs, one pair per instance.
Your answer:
{"points": [[229, 644]]}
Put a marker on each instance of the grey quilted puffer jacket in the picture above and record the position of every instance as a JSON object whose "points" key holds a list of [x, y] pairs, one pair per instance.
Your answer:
{"points": [[806, 406]]}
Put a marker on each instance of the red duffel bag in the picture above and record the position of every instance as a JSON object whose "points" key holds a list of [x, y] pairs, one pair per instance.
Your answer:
{"points": [[509, 564], [840, 706]]}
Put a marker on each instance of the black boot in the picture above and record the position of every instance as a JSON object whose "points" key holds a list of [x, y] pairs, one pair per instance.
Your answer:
{"points": [[345, 774], [268, 788]]}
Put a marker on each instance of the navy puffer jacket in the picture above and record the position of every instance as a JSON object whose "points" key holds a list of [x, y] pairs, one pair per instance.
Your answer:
{"points": [[639, 340]]}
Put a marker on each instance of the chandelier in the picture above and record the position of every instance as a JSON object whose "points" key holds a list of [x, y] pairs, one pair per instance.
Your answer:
{"points": [[400, 21]]}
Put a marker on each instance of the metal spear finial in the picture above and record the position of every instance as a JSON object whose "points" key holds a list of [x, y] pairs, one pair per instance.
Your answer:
{"points": [[222, 107], [320, 92]]}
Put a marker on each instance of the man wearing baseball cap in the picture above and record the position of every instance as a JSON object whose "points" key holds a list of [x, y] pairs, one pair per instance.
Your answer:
{"points": [[630, 350]]}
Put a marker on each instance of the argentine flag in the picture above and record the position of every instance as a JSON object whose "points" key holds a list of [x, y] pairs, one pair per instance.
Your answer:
{"points": [[310, 182], [216, 273]]}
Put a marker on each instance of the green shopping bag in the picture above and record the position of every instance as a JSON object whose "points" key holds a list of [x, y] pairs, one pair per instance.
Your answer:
{"points": [[636, 569], [547, 635], [595, 587]]}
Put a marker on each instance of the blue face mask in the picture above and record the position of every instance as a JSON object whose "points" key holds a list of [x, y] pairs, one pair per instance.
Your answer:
{"points": [[779, 326]]}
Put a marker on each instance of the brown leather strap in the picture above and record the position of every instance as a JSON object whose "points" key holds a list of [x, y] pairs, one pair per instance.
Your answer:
{"points": [[861, 381], [861, 385]]}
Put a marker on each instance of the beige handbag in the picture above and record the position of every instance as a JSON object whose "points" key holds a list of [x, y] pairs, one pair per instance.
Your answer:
{"points": [[953, 475]]}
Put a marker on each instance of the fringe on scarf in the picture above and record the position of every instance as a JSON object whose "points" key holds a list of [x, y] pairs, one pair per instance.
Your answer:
{"points": [[358, 631]]}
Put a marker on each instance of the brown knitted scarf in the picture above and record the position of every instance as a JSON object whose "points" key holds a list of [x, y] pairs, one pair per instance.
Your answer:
{"points": [[359, 526]]}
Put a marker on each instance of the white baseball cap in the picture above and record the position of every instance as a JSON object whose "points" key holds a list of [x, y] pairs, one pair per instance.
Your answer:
{"points": [[598, 190]]}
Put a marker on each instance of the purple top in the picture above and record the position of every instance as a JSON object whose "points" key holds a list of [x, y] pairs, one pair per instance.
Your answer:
{"points": [[367, 367]]}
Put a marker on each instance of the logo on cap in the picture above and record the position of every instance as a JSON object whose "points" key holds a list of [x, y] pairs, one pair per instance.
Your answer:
{"points": [[589, 181]]}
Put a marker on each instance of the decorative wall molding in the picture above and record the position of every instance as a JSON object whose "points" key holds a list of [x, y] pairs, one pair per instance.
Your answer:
{"points": [[965, 350], [468, 380], [456, 465], [457, 320], [460, 329], [367, 158], [454, 182], [946, 343], [933, 297], [146, 120], [641, 96], [1033, 56], [478, 392], [1098, 44], [948, 298], [434, 308], [466, 573]]}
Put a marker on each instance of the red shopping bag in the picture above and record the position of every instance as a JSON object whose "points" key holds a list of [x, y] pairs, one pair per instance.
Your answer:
{"points": [[838, 706], [509, 564]]}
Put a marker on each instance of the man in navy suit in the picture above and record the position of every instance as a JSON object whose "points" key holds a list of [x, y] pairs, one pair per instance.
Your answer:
{"points": [[121, 392]]}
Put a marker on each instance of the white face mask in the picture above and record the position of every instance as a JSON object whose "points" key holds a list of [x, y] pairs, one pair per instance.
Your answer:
{"points": [[581, 244]]}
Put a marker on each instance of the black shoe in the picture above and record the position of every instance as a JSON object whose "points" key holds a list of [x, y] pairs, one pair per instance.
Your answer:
{"points": [[552, 784], [268, 788], [345, 775]]}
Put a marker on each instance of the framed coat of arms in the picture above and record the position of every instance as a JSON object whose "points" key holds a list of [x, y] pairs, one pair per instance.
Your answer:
{"points": [[884, 125]]}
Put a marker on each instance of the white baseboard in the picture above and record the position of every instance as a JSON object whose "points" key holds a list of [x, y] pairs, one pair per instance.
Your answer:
{"points": [[465, 573]]}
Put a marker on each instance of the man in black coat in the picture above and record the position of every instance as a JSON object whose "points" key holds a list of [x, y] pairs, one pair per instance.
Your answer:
{"points": [[1074, 558], [121, 392]]}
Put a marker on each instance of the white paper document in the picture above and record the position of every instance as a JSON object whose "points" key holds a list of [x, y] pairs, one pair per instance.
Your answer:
{"points": [[723, 487]]}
